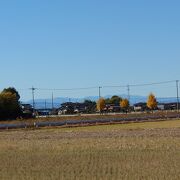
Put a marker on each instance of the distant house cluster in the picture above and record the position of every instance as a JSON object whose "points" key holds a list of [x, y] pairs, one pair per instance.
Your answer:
{"points": [[160, 106], [90, 107], [75, 108]]}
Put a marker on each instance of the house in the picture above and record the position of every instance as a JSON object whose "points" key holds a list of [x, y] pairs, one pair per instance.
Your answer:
{"points": [[75, 108], [171, 106], [161, 106], [112, 108], [27, 111], [141, 106], [66, 108], [71, 108], [43, 112]]}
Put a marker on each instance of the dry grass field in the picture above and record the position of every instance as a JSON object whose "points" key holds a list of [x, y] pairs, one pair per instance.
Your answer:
{"points": [[148, 150]]}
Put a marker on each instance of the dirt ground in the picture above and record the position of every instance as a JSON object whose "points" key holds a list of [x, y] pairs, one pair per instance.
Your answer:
{"points": [[148, 150]]}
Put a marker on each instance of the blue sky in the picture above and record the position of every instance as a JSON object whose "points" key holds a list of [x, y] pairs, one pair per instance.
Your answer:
{"points": [[84, 43]]}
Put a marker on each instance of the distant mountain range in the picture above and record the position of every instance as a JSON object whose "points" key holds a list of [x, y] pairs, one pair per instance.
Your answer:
{"points": [[41, 103]]}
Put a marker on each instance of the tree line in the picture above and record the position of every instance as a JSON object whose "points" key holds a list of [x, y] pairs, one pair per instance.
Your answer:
{"points": [[10, 107], [124, 103]]}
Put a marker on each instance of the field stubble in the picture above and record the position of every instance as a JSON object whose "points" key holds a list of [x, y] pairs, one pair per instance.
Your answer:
{"points": [[132, 151]]}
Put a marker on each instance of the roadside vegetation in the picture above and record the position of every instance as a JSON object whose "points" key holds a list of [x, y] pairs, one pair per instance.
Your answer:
{"points": [[148, 150]]}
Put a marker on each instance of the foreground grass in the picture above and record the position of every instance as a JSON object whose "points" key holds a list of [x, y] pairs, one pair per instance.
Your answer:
{"points": [[127, 151]]}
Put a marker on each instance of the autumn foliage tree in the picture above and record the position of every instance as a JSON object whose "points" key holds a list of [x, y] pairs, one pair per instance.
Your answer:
{"points": [[152, 102], [101, 104], [9, 104], [124, 104], [12, 90], [113, 100]]}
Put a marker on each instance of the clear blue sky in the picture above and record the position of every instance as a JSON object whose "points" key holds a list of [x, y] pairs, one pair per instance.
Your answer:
{"points": [[82, 43]]}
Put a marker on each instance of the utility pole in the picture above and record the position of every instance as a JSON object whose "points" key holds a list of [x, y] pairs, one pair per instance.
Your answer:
{"points": [[100, 92], [177, 91], [128, 90], [45, 105], [33, 89], [52, 101]]}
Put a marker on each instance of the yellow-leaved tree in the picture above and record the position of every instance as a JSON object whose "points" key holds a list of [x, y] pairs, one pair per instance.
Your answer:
{"points": [[124, 104], [101, 104], [9, 105], [152, 102]]}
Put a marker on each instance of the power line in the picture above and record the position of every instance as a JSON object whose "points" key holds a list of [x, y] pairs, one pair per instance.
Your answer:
{"points": [[68, 89], [100, 87], [120, 86], [155, 83], [136, 85], [95, 87]]}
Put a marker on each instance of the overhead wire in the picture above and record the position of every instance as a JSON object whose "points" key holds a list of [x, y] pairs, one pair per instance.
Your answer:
{"points": [[96, 87]]}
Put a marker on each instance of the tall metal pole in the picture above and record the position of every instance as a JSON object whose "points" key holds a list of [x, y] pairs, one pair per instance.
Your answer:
{"points": [[33, 89], [52, 101], [100, 92], [177, 91], [128, 89], [45, 104]]}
